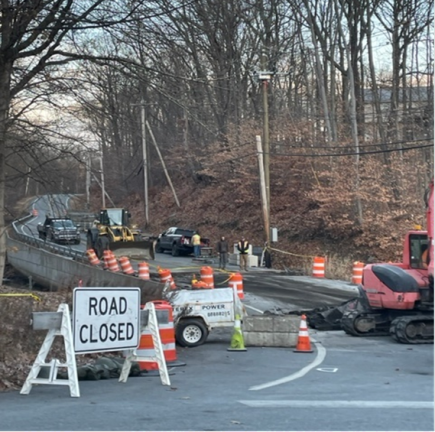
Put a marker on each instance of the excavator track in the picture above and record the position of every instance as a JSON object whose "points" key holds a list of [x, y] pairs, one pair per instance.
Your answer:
{"points": [[357, 323], [413, 329]]}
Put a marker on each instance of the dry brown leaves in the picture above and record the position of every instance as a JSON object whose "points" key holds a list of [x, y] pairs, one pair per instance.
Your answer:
{"points": [[313, 200], [19, 344]]}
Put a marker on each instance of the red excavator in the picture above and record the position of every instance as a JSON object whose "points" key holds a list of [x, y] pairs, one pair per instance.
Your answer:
{"points": [[398, 298]]}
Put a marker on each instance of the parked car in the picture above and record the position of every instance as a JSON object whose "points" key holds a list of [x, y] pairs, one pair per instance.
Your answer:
{"points": [[59, 230], [178, 241]]}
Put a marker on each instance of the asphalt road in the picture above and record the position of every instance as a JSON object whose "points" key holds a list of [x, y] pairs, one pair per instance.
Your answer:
{"points": [[369, 384], [347, 383], [264, 289]]}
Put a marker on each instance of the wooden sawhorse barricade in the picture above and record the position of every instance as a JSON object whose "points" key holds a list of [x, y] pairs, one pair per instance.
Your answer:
{"points": [[59, 324]]}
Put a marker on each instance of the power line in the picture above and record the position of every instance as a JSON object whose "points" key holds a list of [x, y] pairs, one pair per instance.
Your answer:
{"points": [[355, 153], [237, 158]]}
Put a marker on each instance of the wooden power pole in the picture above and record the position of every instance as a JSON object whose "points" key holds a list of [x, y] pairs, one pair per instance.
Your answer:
{"points": [[263, 190], [145, 162]]}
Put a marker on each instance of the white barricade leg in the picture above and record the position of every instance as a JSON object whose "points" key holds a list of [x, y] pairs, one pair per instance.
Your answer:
{"points": [[159, 358], [72, 381]]}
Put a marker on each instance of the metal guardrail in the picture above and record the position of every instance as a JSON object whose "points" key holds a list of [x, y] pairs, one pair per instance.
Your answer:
{"points": [[44, 244]]}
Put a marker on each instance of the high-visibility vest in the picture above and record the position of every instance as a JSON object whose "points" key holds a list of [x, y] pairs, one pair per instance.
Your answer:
{"points": [[196, 240], [244, 247]]}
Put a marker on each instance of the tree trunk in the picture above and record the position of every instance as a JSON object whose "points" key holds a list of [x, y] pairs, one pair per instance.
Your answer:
{"points": [[320, 77], [5, 73], [353, 119]]}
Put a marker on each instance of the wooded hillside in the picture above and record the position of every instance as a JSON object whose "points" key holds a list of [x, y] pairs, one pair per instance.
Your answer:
{"points": [[341, 93]]}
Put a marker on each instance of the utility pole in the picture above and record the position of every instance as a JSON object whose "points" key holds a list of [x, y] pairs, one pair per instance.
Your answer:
{"points": [[264, 77], [145, 161], [102, 181], [88, 180], [27, 181], [263, 190], [163, 164]]}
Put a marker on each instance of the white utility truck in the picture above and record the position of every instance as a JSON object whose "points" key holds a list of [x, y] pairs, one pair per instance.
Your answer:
{"points": [[197, 312]]}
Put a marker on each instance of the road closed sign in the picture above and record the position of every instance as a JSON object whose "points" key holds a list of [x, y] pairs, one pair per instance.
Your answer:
{"points": [[106, 319]]}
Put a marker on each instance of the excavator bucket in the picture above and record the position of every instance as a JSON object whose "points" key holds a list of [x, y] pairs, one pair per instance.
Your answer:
{"points": [[141, 249]]}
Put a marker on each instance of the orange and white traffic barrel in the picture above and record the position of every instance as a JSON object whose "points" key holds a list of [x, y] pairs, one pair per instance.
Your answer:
{"points": [[167, 337], [144, 271], [92, 257], [319, 267], [207, 277], [236, 283], [357, 272], [34, 212], [126, 265], [110, 262], [166, 276]]}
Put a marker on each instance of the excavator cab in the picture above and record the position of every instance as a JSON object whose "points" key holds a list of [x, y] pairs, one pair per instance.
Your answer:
{"points": [[418, 244]]}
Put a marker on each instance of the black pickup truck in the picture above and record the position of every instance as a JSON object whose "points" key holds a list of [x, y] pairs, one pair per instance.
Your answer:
{"points": [[178, 241], [59, 230]]}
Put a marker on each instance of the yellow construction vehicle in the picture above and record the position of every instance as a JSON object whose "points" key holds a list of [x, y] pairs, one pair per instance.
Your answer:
{"points": [[112, 231]]}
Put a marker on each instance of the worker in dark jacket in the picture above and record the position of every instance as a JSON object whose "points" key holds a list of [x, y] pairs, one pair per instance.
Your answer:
{"points": [[243, 248], [222, 250]]}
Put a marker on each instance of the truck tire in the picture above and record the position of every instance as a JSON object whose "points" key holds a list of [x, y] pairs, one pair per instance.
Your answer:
{"points": [[175, 250], [191, 332]]}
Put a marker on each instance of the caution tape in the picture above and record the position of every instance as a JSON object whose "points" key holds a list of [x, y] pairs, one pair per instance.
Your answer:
{"points": [[225, 281], [290, 253], [21, 295]]}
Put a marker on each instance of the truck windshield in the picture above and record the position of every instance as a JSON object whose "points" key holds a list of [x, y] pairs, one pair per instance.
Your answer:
{"points": [[63, 224], [115, 217]]}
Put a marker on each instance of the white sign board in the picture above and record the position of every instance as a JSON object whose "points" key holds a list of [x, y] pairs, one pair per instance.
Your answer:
{"points": [[216, 306], [106, 319]]}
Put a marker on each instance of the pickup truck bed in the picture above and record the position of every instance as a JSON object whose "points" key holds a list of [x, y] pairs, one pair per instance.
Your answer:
{"points": [[178, 241]]}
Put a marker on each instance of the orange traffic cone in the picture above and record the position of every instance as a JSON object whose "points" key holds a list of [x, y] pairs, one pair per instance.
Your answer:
{"points": [[304, 344]]}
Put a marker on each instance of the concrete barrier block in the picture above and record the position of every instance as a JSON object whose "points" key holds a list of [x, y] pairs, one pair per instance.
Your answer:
{"points": [[286, 340], [271, 331], [289, 323], [258, 323], [258, 339]]}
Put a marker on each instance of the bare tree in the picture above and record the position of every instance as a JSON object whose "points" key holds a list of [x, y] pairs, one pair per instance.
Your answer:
{"points": [[37, 39]]}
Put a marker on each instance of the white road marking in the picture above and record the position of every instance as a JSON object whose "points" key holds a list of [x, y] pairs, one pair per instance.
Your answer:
{"points": [[331, 370], [253, 308], [321, 354], [337, 404]]}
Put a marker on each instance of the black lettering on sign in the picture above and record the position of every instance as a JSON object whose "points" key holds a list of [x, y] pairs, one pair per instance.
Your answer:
{"points": [[122, 305], [103, 333], [113, 307], [121, 331], [103, 306], [130, 331], [112, 332], [93, 305], [91, 334], [82, 339]]}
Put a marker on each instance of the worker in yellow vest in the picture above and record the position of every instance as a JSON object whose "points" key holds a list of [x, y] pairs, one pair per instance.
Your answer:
{"points": [[243, 248], [196, 242]]}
